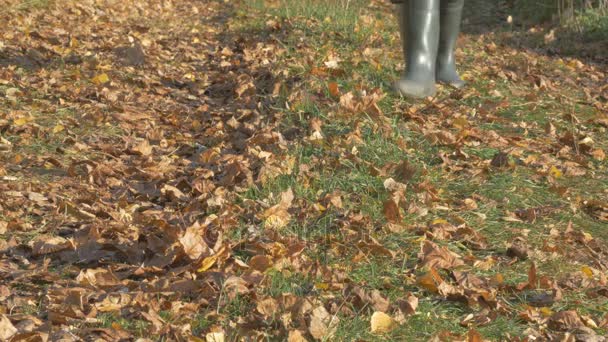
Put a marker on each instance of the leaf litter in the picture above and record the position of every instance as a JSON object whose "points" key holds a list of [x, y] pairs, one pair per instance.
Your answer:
{"points": [[130, 140]]}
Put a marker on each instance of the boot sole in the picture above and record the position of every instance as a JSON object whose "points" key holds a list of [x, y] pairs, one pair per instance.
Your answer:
{"points": [[413, 91]]}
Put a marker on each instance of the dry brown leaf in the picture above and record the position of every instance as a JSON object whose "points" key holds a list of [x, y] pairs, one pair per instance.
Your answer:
{"points": [[433, 256], [98, 277], [215, 337], [430, 280], [322, 325], [333, 89], [278, 216], [43, 245], [296, 336], [268, 307], [391, 210], [193, 243], [597, 209], [236, 286], [7, 329], [565, 320], [409, 305], [260, 263], [143, 148]]}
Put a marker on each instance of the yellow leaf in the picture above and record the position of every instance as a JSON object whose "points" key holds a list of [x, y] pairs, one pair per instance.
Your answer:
{"points": [[555, 172], [439, 221], [322, 286], [587, 271], [207, 263], [277, 221], [460, 122], [215, 337], [21, 121], [333, 89], [382, 323], [117, 326], [588, 237], [58, 128], [546, 312], [101, 79], [499, 278]]}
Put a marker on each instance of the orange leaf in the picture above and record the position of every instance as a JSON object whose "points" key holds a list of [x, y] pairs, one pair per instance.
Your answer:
{"points": [[333, 89]]}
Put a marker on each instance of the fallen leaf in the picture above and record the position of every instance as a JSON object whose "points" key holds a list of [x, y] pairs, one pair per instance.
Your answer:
{"points": [[565, 320], [42, 245], [322, 325], [382, 323], [333, 89], [260, 263], [101, 79], [215, 337], [296, 336], [429, 280], [7, 329], [433, 256]]}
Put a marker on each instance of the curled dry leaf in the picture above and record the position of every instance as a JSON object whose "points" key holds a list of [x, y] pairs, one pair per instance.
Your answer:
{"points": [[409, 305], [406, 307], [518, 249]]}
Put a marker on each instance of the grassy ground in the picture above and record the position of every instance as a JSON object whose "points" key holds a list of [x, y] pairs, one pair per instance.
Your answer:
{"points": [[321, 74]]}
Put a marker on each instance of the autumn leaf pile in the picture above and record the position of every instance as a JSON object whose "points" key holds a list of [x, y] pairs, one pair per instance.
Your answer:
{"points": [[143, 145]]}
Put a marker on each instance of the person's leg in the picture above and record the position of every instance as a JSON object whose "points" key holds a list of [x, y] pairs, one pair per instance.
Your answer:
{"points": [[420, 35], [450, 18]]}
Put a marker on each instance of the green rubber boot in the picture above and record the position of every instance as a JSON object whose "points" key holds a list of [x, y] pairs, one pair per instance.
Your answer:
{"points": [[419, 26], [449, 22]]}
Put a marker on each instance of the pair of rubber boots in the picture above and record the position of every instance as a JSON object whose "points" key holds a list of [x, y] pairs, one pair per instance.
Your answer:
{"points": [[429, 30]]}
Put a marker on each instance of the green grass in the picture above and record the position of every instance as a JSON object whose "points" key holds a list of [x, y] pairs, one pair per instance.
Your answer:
{"points": [[509, 189], [27, 5], [138, 327], [311, 30], [340, 15], [592, 25]]}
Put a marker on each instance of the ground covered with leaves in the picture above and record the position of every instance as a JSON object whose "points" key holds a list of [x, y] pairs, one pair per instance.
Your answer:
{"points": [[223, 170]]}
